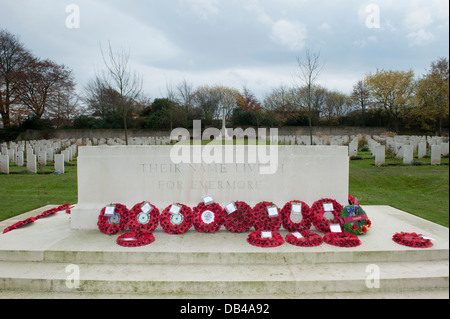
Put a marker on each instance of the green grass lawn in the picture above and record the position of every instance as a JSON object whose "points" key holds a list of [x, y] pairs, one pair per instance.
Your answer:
{"points": [[420, 190]]}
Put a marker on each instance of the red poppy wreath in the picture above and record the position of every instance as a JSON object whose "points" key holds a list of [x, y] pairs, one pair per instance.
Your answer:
{"points": [[266, 216], [135, 239], [113, 219], [352, 200], [19, 224], [265, 239], [176, 219], [208, 218], [345, 240], [53, 211], [318, 209], [144, 218], [238, 217], [305, 238], [295, 216], [412, 240]]}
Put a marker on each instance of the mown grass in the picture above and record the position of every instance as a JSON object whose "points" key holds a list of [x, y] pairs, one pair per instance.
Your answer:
{"points": [[420, 190]]}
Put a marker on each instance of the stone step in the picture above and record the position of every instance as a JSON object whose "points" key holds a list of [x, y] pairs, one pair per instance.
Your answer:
{"points": [[219, 280]]}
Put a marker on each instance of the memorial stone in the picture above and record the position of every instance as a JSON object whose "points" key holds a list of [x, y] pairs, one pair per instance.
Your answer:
{"points": [[422, 150], [31, 164], [59, 163], [435, 155], [407, 154], [4, 164], [380, 155]]}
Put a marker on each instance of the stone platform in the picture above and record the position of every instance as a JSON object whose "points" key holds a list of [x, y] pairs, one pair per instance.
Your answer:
{"points": [[34, 263]]}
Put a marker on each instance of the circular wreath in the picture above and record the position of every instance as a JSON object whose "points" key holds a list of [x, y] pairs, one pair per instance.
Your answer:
{"points": [[321, 223], [143, 222], [113, 224], [412, 240], [308, 239], [19, 224], [239, 221], [255, 238], [176, 224], [343, 239], [286, 217], [208, 218], [355, 220], [135, 239], [261, 218], [352, 200]]}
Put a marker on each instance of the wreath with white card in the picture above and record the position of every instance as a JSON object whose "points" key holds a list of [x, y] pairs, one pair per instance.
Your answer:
{"points": [[295, 216], [176, 219], [265, 239], [266, 216], [412, 240], [305, 238], [113, 219], [318, 211], [144, 218], [208, 217], [342, 239], [238, 217]]}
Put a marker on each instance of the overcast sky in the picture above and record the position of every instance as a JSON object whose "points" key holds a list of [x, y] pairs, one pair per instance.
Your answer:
{"points": [[234, 42]]}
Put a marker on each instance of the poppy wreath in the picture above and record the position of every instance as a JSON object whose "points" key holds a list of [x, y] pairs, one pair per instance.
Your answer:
{"points": [[255, 238], [354, 220], [412, 240], [135, 239], [143, 222], [239, 221], [53, 211], [261, 219], [352, 200], [208, 218], [343, 239], [116, 223], [19, 224], [176, 224], [321, 223], [309, 239], [287, 222]]}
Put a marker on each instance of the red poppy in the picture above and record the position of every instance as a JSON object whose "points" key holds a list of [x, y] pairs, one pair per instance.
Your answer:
{"points": [[287, 213]]}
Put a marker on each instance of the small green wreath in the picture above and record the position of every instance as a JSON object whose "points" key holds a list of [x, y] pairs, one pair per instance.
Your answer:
{"points": [[354, 220]]}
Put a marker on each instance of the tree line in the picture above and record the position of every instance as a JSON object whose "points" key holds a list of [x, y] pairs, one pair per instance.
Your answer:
{"points": [[39, 93]]}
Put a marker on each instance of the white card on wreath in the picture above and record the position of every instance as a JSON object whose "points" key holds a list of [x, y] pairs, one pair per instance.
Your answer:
{"points": [[175, 209], [296, 208], [272, 211], [335, 228], [230, 208], [266, 234], [328, 207], [208, 199], [146, 208], [109, 210], [297, 235]]}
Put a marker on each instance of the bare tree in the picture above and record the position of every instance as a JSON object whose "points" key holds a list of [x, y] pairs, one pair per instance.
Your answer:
{"points": [[13, 60], [310, 69], [361, 96], [128, 84]]}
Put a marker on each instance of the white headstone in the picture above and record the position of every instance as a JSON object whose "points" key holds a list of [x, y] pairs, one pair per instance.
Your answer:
{"points": [[353, 148], [380, 155], [31, 164], [59, 163], [42, 158], [408, 156], [435, 155], [422, 150], [4, 164], [19, 158]]}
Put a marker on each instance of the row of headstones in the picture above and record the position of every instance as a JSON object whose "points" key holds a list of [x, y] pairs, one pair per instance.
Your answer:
{"points": [[404, 147], [131, 141], [37, 154]]}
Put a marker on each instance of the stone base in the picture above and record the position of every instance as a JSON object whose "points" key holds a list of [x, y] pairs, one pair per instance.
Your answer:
{"points": [[33, 260]]}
